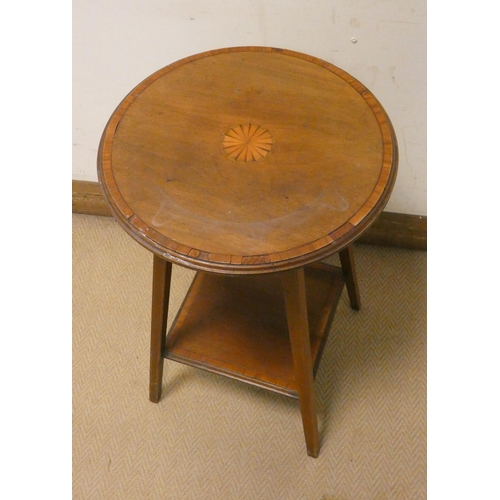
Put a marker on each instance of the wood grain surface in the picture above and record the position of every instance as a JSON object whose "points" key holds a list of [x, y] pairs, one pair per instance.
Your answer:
{"points": [[390, 229], [238, 327], [322, 177]]}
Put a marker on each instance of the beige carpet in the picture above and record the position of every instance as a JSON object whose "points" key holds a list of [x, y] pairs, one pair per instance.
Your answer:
{"points": [[214, 438]]}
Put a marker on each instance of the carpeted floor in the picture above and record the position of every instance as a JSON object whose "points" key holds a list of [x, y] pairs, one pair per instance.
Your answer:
{"points": [[214, 438]]}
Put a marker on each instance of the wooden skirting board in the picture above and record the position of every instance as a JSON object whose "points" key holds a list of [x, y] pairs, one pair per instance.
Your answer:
{"points": [[390, 229]]}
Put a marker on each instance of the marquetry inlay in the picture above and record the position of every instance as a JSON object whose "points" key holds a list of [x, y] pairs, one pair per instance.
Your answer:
{"points": [[247, 142]]}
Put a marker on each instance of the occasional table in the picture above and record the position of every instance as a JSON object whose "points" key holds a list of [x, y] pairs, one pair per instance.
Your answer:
{"points": [[250, 165]]}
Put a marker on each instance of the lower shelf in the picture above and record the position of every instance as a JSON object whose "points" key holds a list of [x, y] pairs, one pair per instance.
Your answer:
{"points": [[237, 327]]}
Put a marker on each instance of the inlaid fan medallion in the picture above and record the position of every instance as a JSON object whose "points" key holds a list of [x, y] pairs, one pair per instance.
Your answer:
{"points": [[247, 142]]}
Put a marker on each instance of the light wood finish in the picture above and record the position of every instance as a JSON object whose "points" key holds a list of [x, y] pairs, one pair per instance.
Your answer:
{"points": [[247, 142], [296, 310], [162, 273], [390, 229], [172, 186]]}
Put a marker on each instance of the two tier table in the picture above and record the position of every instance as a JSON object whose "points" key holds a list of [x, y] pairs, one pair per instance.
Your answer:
{"points": [[250, 165]]}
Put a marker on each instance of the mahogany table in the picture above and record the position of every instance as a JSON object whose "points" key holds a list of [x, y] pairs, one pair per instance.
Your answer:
{"points": [[250, 165]]}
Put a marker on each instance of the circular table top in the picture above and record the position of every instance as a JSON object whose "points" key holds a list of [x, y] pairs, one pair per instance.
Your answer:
{"points": [[247, 160]]}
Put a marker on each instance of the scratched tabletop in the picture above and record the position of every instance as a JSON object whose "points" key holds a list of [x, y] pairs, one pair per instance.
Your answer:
{"points": [[247, 160]]}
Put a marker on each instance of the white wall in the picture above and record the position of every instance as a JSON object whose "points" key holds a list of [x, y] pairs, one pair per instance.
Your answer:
{"points": [[116, 44]]}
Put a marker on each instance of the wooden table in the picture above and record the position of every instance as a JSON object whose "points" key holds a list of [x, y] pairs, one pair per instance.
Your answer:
{"points": [[250, 165]]}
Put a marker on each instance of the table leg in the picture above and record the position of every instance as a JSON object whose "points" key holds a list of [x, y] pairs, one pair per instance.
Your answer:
{"points": [[351, 280], [296, 310], [162, 272]]}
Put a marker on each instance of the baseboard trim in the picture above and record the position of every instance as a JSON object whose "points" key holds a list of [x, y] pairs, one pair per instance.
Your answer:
{"points": [[390, 229]]}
